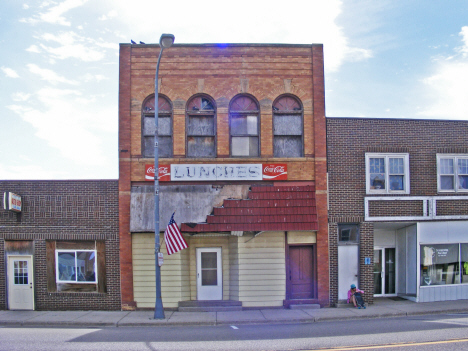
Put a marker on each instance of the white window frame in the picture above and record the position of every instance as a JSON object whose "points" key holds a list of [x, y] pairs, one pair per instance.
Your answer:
{"points": [[387, 157], [456, 173], [57, 272]]}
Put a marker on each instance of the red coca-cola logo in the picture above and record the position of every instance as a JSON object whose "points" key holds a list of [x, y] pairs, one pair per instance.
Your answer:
{"points": [[274, 169], [164, 173]]}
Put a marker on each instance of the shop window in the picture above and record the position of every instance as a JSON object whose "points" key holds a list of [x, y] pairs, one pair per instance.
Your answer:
{"points": [[76, 266], [164, 127], [464, 262], [387, 173], [452, 173], [440, 264], [201, 127], [348, 233], [287, 127], [244, 115]]}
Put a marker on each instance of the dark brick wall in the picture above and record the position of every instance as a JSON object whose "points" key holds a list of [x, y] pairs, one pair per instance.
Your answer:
{"points": [[348, 140], [69, 210]]}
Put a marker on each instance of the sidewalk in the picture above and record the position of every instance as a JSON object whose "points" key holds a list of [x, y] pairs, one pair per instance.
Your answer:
{"points": [[381, 308]]}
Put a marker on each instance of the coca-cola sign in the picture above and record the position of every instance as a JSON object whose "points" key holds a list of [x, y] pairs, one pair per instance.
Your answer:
{"points": [[218, 172], [164, 173], [275, 171]]}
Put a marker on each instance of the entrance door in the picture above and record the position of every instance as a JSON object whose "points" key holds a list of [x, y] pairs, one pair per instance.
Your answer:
{"points": [[209, 274], [384, 271], [347, 269], [20, 283], [301, 272]]}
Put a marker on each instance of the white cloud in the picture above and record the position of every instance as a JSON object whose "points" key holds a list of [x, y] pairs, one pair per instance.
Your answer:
{"points": [[110, 15], [9, 72], [55, 14], [28, 171], [49, 75], [94, 77], [445, 90], [20, 96], [295, 22], [71, 45], [70, 124], [33, 48]]}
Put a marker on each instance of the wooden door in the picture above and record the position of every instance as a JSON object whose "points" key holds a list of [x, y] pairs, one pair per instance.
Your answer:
{"points": [[301, 272]]}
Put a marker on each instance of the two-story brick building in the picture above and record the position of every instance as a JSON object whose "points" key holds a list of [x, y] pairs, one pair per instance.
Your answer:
{"points": [[398, 208], [242, 155], [59, 245]]}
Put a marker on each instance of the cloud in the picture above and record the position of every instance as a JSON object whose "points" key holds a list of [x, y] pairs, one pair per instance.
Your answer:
{"points": [[49, 75], [73, 126], [54, 15], [445, 89], [20, 96], [299, 22], [10, 73], [33, 48]]}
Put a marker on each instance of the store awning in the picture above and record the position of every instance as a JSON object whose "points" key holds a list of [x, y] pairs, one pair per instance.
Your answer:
{"points": [[268, 208]]}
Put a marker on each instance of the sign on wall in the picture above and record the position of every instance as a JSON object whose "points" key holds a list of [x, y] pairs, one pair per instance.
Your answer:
{"points": [[12, 202], [218, 172]]}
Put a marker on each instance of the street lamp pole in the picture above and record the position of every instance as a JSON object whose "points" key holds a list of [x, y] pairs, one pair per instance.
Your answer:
{"points": [[165, 42]]}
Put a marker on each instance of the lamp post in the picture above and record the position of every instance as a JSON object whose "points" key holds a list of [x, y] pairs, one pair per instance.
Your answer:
{"points": [[165, 42]]}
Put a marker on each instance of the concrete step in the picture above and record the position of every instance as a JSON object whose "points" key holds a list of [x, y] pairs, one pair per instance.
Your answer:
{"points": [[210, 306], [304, 306], [344, 304]]}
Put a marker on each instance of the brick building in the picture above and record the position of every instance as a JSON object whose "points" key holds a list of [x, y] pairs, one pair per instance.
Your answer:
{"points": [[61, 252], [242, 155], [398, 208]]}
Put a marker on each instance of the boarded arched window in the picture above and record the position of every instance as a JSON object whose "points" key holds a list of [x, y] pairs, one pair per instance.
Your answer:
{"points": [[244, 118], [288, 127], [201, 126], [164, 127]]}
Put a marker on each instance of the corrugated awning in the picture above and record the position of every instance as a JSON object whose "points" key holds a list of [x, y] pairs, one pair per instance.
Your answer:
{"points": [[268, 208]]}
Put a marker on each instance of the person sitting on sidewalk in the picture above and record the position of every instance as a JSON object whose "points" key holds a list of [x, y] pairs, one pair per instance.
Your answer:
{"points": [[354, 296]]}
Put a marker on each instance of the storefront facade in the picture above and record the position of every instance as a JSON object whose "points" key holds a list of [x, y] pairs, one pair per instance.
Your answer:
{"points": [[398, 208], [242, 162]]}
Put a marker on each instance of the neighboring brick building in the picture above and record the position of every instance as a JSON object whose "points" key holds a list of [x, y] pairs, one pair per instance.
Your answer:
{"points": [[398, 208], [61, 252], [243, 161]]}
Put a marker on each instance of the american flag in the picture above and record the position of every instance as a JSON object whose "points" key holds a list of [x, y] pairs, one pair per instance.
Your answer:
{"points": [[173, 238]]}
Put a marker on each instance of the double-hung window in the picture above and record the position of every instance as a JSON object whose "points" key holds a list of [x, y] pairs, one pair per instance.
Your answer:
{"points": [[452, 173], [164, 127], [201, 127], [387, 173], [244, 115], [76, 266], [287, 127]]}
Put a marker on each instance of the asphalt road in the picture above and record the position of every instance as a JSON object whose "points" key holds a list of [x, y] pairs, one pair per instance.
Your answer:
{"points": [[438, 332]]}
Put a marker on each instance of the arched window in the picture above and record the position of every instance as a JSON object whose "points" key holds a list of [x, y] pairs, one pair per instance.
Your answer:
{"points": [[288, 127], [164, 127], [201, 126], [244, 128]]}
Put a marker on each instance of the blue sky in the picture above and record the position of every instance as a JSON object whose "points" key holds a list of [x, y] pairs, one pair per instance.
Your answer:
{"points": [[59, 66]]}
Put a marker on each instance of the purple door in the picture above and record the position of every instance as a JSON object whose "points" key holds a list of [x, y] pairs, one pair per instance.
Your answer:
{"points": [[301, 272]]}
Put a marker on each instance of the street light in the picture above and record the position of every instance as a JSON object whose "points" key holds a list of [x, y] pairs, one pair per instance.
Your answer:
{"points": [[165, 42]]}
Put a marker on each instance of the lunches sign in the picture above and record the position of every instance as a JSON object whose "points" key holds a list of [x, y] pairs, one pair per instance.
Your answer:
{"points": [[218, 172]]}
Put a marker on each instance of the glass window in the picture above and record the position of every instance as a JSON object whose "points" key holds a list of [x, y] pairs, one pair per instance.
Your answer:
{"points": [[452, 173], [164, 127], [244, 127], [76, 266], [440, 264], [464, 262], [348, 233], [387, 173], [201, 127], [287, 127]]}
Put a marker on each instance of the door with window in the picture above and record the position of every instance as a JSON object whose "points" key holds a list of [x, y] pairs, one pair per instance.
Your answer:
{"points": [[20, 283], [209, 274], [384, 271]]}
